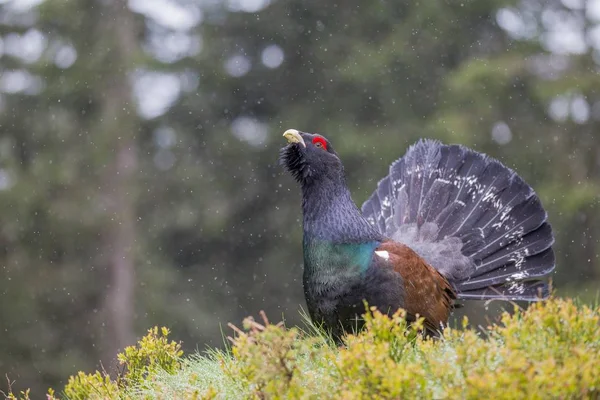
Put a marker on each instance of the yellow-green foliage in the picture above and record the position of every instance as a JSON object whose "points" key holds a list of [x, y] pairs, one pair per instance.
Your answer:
{"points": [[91, 386], [371, 365], [153, 353], [23, 395], [549, 351], [274, 362], [552, 350]]}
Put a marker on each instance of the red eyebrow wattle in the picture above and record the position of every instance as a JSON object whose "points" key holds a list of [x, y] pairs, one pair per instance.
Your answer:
{"points": [[319, 139]]}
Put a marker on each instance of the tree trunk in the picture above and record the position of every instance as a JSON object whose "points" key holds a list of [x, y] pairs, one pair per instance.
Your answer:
{"points": [[118, 126]]}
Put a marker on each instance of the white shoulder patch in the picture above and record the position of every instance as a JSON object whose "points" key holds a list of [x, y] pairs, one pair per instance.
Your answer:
{"points": [[383, 254]]}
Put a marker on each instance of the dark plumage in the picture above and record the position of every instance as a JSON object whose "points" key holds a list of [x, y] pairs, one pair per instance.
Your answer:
{"points": [[446, 223]]}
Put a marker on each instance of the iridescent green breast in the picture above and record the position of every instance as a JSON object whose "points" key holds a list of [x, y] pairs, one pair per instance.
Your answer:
{"points": [[333, 258]]}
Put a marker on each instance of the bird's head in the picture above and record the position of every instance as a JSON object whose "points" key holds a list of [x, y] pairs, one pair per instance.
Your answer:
{"points": [[310, 157]]}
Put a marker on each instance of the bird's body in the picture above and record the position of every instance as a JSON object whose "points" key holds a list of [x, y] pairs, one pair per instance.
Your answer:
{"points": [[446, 223]]}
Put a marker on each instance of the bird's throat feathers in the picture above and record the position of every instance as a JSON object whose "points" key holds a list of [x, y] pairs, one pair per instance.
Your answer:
{"points": [[330, 215]]}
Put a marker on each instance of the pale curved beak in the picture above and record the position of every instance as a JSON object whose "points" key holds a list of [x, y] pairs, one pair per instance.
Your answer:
{"points": [[293, 136]]}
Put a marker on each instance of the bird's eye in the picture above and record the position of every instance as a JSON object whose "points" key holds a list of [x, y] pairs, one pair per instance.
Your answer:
{"points": [[320, 142]]}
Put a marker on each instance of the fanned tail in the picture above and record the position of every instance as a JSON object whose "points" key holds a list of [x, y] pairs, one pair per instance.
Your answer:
{"points": [[472, 218]]}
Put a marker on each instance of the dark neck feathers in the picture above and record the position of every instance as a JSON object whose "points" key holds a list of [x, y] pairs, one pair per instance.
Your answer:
{"points": [[331, 215]]}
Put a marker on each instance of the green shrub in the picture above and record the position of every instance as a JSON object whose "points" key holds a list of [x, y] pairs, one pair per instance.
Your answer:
{"points": [[552, 350], [91, 386], [274, 362], [549, 351], [153, 353]]}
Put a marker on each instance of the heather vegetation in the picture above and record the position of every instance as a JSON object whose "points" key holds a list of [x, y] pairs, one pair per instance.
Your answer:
{"points": [[550, 350]]}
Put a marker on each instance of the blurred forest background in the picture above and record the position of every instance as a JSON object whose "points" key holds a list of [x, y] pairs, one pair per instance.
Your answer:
{"points": [[139, 182]]}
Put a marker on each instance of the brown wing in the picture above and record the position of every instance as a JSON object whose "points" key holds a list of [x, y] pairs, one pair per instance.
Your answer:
{"points": [[427, 292]]}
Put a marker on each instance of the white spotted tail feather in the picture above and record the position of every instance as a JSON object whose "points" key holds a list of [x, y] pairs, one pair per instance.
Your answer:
{"points": [[470, 217]]}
